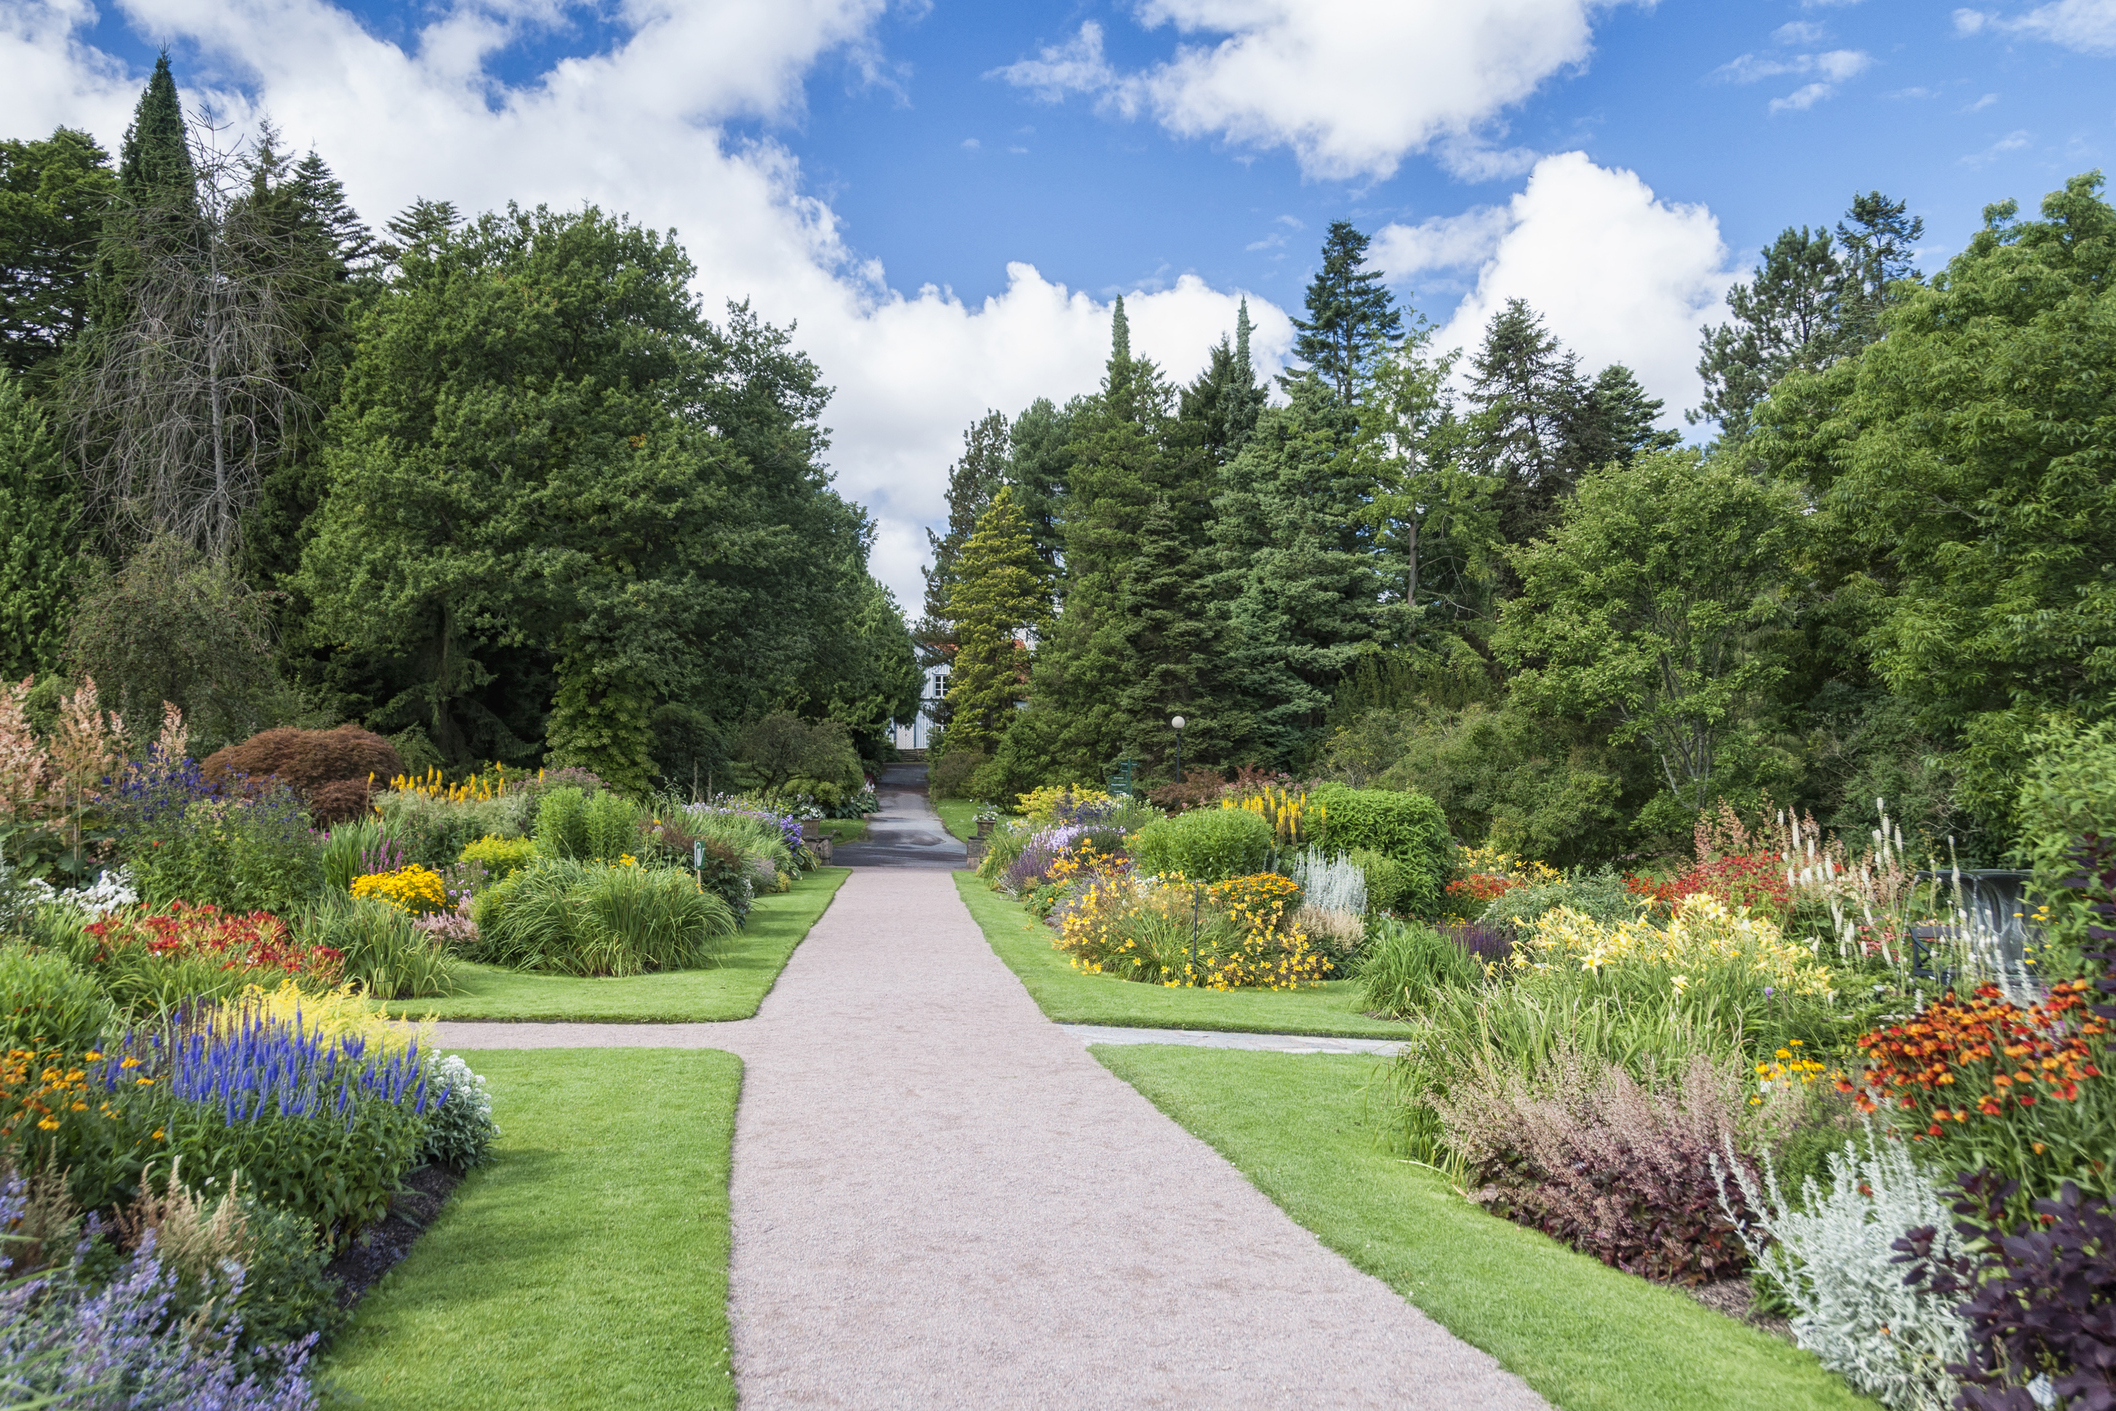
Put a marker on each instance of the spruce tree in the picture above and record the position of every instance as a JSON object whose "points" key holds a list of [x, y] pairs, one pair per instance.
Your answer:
{"points": [[38, 509], [1172, 634], [1351, 314], [155, 158], [1040, 470], [996, 594], [1527, 413], [973, 480], [1619, 421]]}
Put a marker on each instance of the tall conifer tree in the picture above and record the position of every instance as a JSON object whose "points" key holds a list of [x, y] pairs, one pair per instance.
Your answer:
{"points": [[1352, 316], [997, 593], [38, 509], [973, 480]]}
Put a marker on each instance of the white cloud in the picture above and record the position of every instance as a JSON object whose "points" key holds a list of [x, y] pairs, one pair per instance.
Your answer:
{"points": [[1443, 242], [2011, 142], [1618, 275], [2088, 26], [633, 129], [1351, 87], [1982, 103], [1831, 67], [1798, 32]]}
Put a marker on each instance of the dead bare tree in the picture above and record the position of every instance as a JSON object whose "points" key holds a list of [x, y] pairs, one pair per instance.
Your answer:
{"points": [[192, 394]]}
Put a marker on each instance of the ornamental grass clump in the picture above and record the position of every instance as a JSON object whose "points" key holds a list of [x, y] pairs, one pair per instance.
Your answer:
{"points": [[582, 918], [385, 949], [1406, 962], [1833, 1256]]}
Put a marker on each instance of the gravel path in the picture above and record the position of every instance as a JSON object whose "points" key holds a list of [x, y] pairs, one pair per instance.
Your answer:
{"points": [[940, 1199]]}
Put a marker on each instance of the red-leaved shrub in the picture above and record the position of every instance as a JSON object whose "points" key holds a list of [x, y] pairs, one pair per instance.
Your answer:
{"points": [[311, 761], [1611, 1167]]}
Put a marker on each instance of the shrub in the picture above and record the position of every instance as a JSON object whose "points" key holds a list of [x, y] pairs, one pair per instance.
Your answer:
{"points": [[1585, 1153], [47, 1004], [1405, 962], [949, 777], [305, 760], [342, 801], [1406, 826], [251, 1092], [1833, 1259], [1063, 803], [1390, 885], [434, 830], [254, 854], [578, 918], [1603, 896], [381, 948], [562, 824], [729, 875], [2041, 1297], [2069, 794], [1200, 787], [460, 1130], [502, 857], [610, 824], [1204, 845], [755, 832], [1147, 929]]}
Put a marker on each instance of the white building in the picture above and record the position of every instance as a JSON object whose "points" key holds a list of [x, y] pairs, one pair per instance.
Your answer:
{"points": [[919, 733]]}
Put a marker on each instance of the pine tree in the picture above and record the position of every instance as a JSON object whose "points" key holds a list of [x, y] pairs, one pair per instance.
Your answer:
{"points": [[1787, 316], [972, 482], [38, 509], [1351, 314], [1878, 244], [996, 594]]}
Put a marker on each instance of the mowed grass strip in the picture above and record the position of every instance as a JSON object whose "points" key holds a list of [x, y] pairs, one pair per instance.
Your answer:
{"points": [[958, 816], [1306, 1129], [586, 1267], [730, 990], [1069, 996]]}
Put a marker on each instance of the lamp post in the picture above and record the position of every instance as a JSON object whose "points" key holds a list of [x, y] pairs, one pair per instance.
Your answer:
{"points": [[1177, 725]]}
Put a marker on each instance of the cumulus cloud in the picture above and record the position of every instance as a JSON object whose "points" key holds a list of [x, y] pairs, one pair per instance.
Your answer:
{"points": [[1618, 274], [637, 128], [1352, 88], [2088, 26]]}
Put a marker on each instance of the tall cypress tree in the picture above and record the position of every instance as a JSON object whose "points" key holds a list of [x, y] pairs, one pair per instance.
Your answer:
{"points": [[1351, 314], [997, 593], [38, 510]]}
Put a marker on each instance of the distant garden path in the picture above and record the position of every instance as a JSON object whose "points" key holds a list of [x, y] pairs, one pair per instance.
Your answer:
{"points": [[940, 1199]]}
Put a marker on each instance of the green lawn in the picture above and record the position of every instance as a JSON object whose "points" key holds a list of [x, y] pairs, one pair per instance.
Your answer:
{"points": [[730, 990], [1070, 997], [586, 1267], [842, 830], [1306, 1130], [958, 816]]}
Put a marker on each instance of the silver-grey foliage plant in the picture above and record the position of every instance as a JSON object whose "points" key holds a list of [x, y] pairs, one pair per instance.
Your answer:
{"points": [[1834, 1258]]}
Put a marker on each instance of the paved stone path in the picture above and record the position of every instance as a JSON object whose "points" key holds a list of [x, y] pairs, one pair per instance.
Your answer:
{"points": [[940, 1199]]}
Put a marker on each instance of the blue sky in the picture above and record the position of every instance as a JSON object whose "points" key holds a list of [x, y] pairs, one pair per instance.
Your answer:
{"points": [[945, 196]]}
